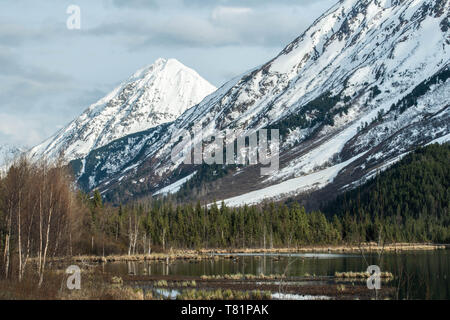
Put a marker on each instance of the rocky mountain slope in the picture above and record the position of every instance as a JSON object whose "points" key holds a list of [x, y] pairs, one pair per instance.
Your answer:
{"points": [[364, 85], [154, 95]]}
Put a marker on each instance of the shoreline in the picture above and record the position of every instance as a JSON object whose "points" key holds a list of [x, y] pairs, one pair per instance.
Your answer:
{"points": [[366, 247], [205, 254]]}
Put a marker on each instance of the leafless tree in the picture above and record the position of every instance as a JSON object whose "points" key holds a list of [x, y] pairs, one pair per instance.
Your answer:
{"points": [[39, 214]]}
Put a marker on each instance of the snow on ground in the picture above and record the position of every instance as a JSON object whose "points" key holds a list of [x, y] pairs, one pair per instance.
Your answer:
{"points": [[289, 296], [441, 140], [391, 162], [376, 171], [174, 187], [293, 186]]}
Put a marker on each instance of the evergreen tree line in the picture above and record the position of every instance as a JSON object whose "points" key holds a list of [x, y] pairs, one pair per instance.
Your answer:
{"points": [[162, 225], [39, 209], [412, 198], [407, 203]]}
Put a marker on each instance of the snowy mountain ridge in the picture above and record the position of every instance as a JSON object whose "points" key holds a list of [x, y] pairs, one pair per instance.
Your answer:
{"points": [[366, 83]]}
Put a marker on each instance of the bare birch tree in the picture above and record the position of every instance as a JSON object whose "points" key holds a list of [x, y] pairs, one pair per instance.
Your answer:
{"points": [[37, 215]]}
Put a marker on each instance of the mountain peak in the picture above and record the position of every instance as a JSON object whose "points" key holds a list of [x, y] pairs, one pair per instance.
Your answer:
{"points": [[154, 95], [160, 65]]}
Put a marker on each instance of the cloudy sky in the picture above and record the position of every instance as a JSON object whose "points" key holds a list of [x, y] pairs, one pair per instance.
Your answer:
{"points": [[50, 74]]}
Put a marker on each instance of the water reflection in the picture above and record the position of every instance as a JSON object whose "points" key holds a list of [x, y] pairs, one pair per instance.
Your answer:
{"points": [[418, 275]]}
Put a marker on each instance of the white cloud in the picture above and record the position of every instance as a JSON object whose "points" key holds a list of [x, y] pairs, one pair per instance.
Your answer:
{"points": [[17, 130], [269, 25], [225, 13]]}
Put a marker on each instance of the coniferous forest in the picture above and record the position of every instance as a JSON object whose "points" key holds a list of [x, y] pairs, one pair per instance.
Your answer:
{"points": [[41, 214]]}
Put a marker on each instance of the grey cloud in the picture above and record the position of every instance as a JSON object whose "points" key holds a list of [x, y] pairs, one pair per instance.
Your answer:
{"points": [[136, 4], [14, 34], [10, 66], [250, 3], [223, 26], [86, 98], [23, 130], [199, 4], [22, 85]]}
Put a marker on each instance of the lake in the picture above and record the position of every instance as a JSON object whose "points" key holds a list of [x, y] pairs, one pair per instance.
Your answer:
{"points": [[418, 275]]}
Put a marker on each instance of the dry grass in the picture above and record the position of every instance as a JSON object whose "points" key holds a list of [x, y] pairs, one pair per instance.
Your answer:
{"points": [[104, 293], [175, 255], [94, 286], [227, 294], [361, 275], [365, 247], [240, 276], [204, 254], [341, 288], [28, 289]]}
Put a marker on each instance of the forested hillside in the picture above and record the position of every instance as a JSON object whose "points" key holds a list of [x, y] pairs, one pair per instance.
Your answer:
{"points": [[408, 202], [414, 194]]}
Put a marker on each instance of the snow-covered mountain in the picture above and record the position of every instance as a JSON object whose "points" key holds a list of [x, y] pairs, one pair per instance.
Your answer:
{"points": [[8, 151], [7, 154], [365, 84], [154, 95]]}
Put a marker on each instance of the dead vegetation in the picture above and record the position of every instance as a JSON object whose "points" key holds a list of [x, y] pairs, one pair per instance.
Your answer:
{"points": [[204, 254], [366, 247], [95, 286], [362, 275], [240, 276]]}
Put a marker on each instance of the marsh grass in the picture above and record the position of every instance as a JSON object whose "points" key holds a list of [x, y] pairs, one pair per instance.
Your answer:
{"points": [[185, 284], [361, 275], [160, 283], [365, 247], [341, 288], [228, 294], [207, 254], [94, 286], [239, 276]]}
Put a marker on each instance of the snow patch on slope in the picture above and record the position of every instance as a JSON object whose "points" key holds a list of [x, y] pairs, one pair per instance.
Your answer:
{"points": [[295, 186], [174, 187]]}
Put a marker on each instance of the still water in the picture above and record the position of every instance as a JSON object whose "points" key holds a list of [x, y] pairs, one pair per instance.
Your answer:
{"points": [[418, 275]]}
